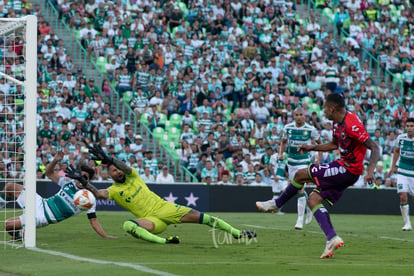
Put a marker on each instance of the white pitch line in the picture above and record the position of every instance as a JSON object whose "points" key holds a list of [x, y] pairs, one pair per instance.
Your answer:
{"points": [[96, 261], [317, 232], [12, 244], [395, 239]]}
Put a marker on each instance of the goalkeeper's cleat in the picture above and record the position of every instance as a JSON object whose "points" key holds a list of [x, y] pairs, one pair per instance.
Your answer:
{"points": [[331, 245], [267, 206], [130, 227], [173, 240], [247, 234], [407, 227]]}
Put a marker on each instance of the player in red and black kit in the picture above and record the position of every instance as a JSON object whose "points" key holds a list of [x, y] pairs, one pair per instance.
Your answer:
{"points": [[352, 140]]}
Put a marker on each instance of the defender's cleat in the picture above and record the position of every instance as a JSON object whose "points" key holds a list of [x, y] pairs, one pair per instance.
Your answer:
{"points": [[267, 206], [173, 240], [299, 226], [17, 236], [331, 245], [407, 227], [247, 234]]}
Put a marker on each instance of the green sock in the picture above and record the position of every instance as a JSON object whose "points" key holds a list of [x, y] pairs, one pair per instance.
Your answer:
{"points": [[219, 224], [138, 232]]}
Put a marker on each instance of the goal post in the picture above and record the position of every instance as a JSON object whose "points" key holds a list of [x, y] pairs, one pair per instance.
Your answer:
{"points": [[30, 130], [27, 26]]}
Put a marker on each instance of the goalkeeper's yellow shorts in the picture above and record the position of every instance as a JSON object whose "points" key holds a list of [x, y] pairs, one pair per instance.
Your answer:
{"points": [[169, 213]]}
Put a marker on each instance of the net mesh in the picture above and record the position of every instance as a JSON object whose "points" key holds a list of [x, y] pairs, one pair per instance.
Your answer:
{"points": [[12, 74]]}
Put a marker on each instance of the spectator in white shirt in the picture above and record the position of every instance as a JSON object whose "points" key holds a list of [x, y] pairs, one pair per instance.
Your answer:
{"points": [[119, 127], [164, 177], [147, 176]]}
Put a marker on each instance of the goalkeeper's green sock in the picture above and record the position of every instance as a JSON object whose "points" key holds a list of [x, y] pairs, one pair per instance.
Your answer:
{"points": [[215, 222], [138, 232]]}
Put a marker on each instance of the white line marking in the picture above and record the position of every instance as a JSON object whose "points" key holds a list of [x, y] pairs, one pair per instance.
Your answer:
{"points": [[96, 261], [12, 244], [290, 263], [317, 232], [395, 239]]}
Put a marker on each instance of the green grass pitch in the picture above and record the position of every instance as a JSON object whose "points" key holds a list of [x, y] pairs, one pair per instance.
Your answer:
{"points": [[374, 245]]}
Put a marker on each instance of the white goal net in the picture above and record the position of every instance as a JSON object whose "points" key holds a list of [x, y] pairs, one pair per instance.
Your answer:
{"points": [[18, 70]]}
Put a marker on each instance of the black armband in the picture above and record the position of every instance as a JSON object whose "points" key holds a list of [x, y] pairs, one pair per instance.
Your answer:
{"points": [[91, 215]]}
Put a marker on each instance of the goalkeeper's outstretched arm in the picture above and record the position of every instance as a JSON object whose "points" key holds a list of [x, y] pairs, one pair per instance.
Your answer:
{"points": [[101, 193], [122, 166]]}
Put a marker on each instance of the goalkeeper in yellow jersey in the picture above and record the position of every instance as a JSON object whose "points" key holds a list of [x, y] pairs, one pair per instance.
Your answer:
{"points": [[153, 214]]}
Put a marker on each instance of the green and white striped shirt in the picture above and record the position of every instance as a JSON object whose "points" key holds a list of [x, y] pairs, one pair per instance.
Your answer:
{"points": [[61, 206], [406, 160], [297, 136]]}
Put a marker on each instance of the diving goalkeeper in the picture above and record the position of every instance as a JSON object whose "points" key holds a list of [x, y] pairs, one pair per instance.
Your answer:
{"points": [[153, 214]]}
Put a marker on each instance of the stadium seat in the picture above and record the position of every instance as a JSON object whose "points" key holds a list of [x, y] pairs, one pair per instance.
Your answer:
{"points": [[166, 142], [307, 100], [144, 118], [127, 97], [183, 7], [163, 118], [167, 125], [315, 107], [175, 119], [174, 135], [101, 63], [386, 162], [229, 164], [158, 132]]}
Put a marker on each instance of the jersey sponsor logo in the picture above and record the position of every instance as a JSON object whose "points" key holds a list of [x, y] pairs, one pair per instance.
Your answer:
{"points": [[128, 199], [355, 128], [334, 171]]}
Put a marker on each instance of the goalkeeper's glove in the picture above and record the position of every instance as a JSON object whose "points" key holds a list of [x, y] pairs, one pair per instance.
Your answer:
{"points": [[99, 154], [76, 174]]}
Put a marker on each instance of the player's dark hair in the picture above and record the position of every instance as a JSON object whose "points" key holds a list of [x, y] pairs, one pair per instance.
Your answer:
{"points": [[410, 120], [89, 170], [336, 99]]}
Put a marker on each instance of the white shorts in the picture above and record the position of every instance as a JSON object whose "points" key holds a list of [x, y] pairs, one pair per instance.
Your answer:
{"points": [[293, 169], [41, 220], [405, 184], [279, 186]]}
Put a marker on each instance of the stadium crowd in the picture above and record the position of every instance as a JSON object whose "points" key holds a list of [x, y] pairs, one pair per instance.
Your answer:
{"points": [[231, 71]]}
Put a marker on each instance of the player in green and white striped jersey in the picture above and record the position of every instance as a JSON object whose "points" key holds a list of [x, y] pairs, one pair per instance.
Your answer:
{"points": [[279, 169], [294, 135], [404, 156], [55, 208]]}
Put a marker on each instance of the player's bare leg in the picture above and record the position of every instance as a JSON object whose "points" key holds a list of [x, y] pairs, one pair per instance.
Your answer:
{"points": [[13, 226], [11, 192]]}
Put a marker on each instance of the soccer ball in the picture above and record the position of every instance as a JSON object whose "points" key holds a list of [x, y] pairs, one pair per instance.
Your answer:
{"points": [[84, 199]]}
